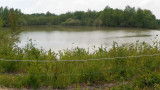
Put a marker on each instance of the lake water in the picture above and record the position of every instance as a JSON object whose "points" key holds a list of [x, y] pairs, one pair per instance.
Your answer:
{"points": [[59, 38]]}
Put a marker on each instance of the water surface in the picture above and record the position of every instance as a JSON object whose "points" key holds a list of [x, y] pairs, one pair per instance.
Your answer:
{"points": [[59, 38]]}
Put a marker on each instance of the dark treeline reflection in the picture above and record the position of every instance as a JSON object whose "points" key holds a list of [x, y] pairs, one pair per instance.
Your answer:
{"points": [[109, 17]]}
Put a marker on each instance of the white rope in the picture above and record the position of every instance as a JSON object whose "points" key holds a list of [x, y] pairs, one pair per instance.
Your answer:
{"points": [[80, 60]]}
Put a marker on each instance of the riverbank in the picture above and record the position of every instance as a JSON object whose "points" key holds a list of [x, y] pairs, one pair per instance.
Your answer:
{"points": [[121, 67], [64, 27], [33, 68]]}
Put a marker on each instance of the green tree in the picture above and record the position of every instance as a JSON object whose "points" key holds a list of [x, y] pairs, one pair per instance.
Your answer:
{"points": [[48, 13], [149, 20], [139, 18], [128, 17], [106, 16], [5, 16], [1, 23], [109, 17], [71, 22], [158, 21], [13, 19], [97, 22]]}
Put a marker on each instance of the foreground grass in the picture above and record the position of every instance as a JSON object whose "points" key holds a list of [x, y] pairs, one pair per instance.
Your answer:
{"points": [[138, 72]]}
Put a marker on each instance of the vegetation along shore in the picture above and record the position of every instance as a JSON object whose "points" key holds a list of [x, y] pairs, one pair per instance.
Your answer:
{"points": [[133, 66]]}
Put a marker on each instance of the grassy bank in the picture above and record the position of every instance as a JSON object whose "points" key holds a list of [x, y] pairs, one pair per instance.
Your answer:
{"points": [[138, 72]]}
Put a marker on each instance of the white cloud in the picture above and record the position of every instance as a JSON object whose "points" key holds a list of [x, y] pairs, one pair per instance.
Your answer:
{"points": [[62, 6]]}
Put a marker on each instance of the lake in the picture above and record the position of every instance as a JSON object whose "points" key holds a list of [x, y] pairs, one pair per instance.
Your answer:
{"points": [[59, 38]]}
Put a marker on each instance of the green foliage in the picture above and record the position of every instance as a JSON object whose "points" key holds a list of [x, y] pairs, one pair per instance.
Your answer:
{"points": [[130, 17], [32, 81], [13, 16], [148, 80], [1, 23], [4, 13], [109, 17], [10, 18], [71, 22], [158, 21]]}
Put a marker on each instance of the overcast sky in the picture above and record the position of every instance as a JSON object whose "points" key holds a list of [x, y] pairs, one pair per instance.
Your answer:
{"points": [[63, 6]]}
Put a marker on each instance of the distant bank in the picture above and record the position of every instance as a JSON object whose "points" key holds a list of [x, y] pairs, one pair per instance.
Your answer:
{"points": [[109, 17]]}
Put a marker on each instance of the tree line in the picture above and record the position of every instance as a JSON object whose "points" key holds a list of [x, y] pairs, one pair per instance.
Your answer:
{"points": [[10, 17], [109, 17]]}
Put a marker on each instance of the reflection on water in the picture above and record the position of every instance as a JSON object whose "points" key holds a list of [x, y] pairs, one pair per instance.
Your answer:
{"points": [[58, 38]]}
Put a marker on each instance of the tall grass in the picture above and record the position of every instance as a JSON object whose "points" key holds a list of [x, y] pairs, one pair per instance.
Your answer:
{"points": [[145, 70]]}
